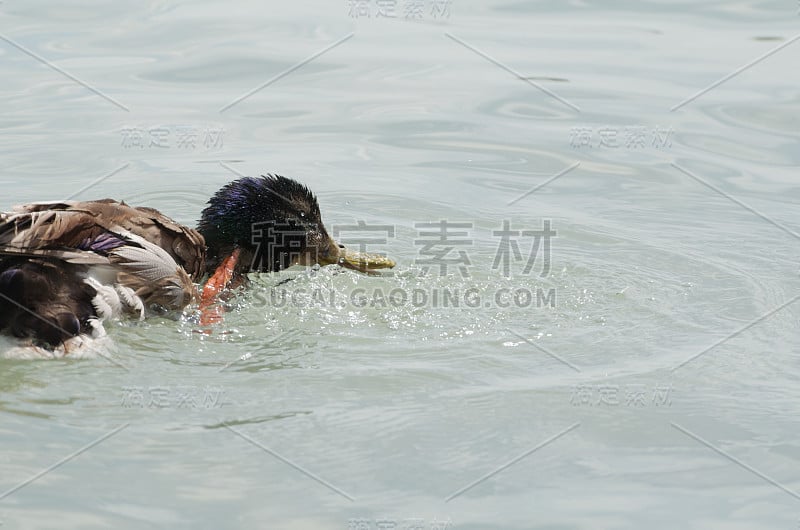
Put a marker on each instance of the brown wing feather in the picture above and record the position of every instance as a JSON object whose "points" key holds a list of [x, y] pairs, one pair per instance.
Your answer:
{"points": [[68, 224], [46, 294]]}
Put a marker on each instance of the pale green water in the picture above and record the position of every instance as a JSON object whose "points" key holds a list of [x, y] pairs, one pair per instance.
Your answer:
{"points": [[400, 407]]}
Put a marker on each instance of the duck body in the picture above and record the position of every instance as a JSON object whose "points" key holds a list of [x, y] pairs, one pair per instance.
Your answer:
{"points": [[65, 267]]}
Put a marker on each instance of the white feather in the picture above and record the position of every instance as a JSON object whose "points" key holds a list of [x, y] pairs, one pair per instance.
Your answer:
{"points": [[98, 330], [106, 302], [132, 302]]}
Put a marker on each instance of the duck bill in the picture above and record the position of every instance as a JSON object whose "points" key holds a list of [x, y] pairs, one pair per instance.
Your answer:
{"points": [[363, 261]]}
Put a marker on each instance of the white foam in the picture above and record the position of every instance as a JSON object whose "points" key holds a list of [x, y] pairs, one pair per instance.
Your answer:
{"points": [[80, 347]]}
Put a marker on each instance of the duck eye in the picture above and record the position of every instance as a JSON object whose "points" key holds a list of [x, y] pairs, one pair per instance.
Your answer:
{"points": [[340, 245]]}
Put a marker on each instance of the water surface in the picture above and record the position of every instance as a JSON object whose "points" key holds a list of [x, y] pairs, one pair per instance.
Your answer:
{"points": [[676, 231]]}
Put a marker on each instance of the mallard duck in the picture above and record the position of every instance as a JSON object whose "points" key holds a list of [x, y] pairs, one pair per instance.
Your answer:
{"points": [[67, 266]]}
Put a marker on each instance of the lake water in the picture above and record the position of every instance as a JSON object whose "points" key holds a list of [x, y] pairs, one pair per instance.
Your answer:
{"points": [[646, 377]]}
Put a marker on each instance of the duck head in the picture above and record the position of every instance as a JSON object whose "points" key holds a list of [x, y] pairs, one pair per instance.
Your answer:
{"points": [[270, 223]]}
